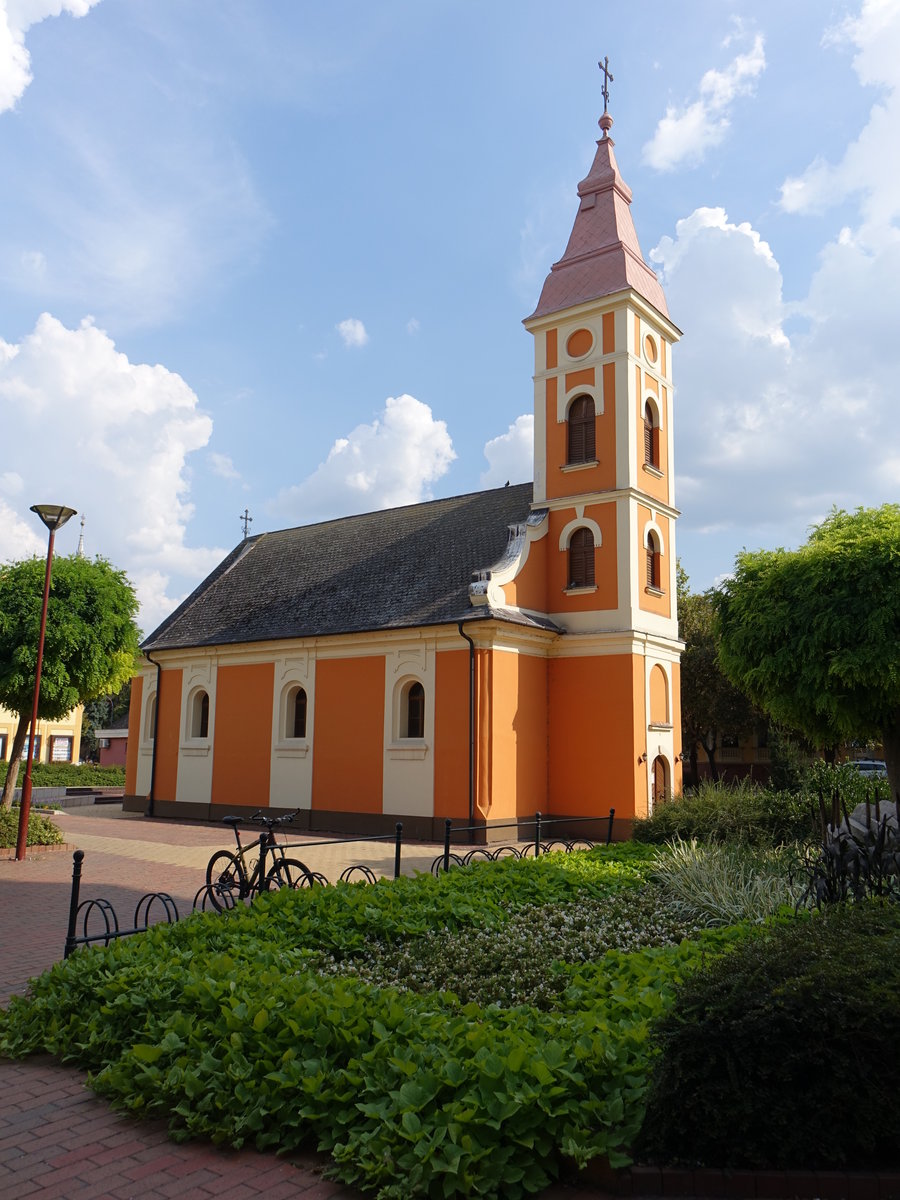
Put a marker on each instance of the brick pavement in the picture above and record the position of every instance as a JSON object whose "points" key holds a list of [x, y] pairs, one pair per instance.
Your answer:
{"points": [[58, 1141]]}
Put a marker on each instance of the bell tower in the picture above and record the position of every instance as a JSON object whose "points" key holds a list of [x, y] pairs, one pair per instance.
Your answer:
{"points": [[603, 473]]}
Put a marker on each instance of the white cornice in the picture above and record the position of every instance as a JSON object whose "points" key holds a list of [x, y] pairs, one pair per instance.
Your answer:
{"points": [[585, 498], [605, 304]]}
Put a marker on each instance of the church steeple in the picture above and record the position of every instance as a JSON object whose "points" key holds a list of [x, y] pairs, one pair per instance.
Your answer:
{"points": [[603, 255], [603, 475]]}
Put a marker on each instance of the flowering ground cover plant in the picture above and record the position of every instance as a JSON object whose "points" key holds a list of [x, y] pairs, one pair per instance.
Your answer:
{"points": [[459, 1036]]}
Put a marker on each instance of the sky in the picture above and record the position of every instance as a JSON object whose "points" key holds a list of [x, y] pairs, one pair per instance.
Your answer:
{"points": [[274, 256]]}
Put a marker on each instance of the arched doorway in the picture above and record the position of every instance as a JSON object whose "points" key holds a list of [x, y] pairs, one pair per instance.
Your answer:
{"points": [[660, 780]]}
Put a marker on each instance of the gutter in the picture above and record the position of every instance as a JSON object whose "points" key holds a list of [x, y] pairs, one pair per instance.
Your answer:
{"points": [[151, 798], [463, 634]]}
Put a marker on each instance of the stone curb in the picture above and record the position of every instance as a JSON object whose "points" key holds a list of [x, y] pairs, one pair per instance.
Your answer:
{"points": [[8, 853]]}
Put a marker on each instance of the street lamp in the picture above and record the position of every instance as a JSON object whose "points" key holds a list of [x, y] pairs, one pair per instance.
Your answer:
{"points": [[54, 517]]}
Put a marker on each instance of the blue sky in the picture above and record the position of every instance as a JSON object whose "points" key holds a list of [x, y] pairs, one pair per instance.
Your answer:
{"points": [[276, 255]]}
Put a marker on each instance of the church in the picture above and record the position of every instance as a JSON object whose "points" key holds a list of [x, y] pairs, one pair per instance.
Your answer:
{"points": [[481, 657]]}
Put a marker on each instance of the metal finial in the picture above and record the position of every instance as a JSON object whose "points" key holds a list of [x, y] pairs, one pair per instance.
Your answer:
{"points": [[606, 120], [246, 520], [607, 80]]}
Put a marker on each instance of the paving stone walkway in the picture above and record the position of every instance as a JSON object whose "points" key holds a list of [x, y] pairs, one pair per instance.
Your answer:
{"points": [[58, 1141]]}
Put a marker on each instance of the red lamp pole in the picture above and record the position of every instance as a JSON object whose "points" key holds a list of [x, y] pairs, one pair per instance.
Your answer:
{"points": [[54, 517]]}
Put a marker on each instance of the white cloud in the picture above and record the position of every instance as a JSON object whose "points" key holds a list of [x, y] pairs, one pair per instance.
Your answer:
{"points": [[111, 438], [387, 463], [221, 465], [16, 18], [870, 165], [11, 482], [771, 431], [412, 325], [352, 331], [511, 455], [133, 240], [684, 135]]}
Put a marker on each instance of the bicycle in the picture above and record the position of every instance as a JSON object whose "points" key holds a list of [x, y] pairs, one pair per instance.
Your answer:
{"points": [[230, 877]]}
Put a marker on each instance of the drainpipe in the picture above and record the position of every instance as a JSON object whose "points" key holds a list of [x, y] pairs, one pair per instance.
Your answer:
{"points": [[463, 634], [151, 799]]}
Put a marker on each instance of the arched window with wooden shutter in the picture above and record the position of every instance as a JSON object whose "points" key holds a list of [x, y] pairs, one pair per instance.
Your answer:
{"points": [[653, 565], [651, 438], [581, 438], [581, 559]]}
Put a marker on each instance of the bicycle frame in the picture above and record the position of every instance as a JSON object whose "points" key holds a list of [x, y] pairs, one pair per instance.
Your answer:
{"points": [[256, 879]]}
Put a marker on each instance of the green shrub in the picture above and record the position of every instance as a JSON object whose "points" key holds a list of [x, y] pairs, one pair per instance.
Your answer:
{"points": [[842, 783], [221, 1024], [41, 830], [788, 1049], [69, 775], [720, 812], [722, 884], [519, 962]]}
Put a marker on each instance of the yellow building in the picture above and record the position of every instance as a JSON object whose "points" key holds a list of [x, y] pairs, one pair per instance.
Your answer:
{"points": [[55, 741], [483, 656]]}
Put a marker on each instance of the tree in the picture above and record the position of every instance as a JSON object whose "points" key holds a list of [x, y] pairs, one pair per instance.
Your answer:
{"points": [[106, 712], [90, 645], [710, 704], [813, 635]]}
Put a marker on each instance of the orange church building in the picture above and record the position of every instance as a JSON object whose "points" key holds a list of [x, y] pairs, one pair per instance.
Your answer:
{"points": [[479, 657]]}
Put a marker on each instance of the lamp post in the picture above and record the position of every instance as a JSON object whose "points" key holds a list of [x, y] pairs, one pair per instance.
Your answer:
{"points": [[54, 517]]}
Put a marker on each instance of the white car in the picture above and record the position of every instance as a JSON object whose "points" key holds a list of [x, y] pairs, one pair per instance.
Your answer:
{"points": [[871, 768]]}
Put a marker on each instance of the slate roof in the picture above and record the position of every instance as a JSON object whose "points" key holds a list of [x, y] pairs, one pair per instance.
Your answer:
{"points": [[603, 255], [393, 569]]}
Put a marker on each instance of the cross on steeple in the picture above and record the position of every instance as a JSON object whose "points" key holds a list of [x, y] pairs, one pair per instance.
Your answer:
{"points": [[246, 520], [607, 80]]}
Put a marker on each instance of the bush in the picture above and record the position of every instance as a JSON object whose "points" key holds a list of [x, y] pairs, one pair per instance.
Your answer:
{"points": [[718, 884], [41, 830], [69, 775], [788, 1048], [842, 783], [222, 1024], [721, 812]]}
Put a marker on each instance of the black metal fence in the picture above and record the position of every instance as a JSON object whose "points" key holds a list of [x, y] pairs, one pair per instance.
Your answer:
{"points": [[160, 908]]}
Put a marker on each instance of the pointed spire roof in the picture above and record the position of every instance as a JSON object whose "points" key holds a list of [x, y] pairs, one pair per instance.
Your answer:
{"points": [[603, 255]]}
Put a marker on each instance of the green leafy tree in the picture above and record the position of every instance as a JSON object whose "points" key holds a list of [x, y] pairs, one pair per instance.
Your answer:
{"points": [[90, 645], [106, 712], [813, 635], [710, 704]]}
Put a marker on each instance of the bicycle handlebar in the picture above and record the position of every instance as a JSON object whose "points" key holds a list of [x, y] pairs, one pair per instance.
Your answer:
{"points": [[261, 819]]}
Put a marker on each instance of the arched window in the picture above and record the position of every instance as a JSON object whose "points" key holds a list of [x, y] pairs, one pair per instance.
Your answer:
{"points": [[581, 559], [582, 443], [653, 571], [150, 722], [651, 438], [414, 722], [200, 715], [296, 713]]}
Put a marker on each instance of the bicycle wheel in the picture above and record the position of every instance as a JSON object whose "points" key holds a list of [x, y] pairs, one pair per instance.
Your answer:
{"points": [[225, 880], [288, 873]]}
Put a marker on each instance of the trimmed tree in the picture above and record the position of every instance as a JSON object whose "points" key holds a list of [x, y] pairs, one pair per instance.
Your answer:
{"points": [[710, 704], [813, 635], [90, 645]]}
